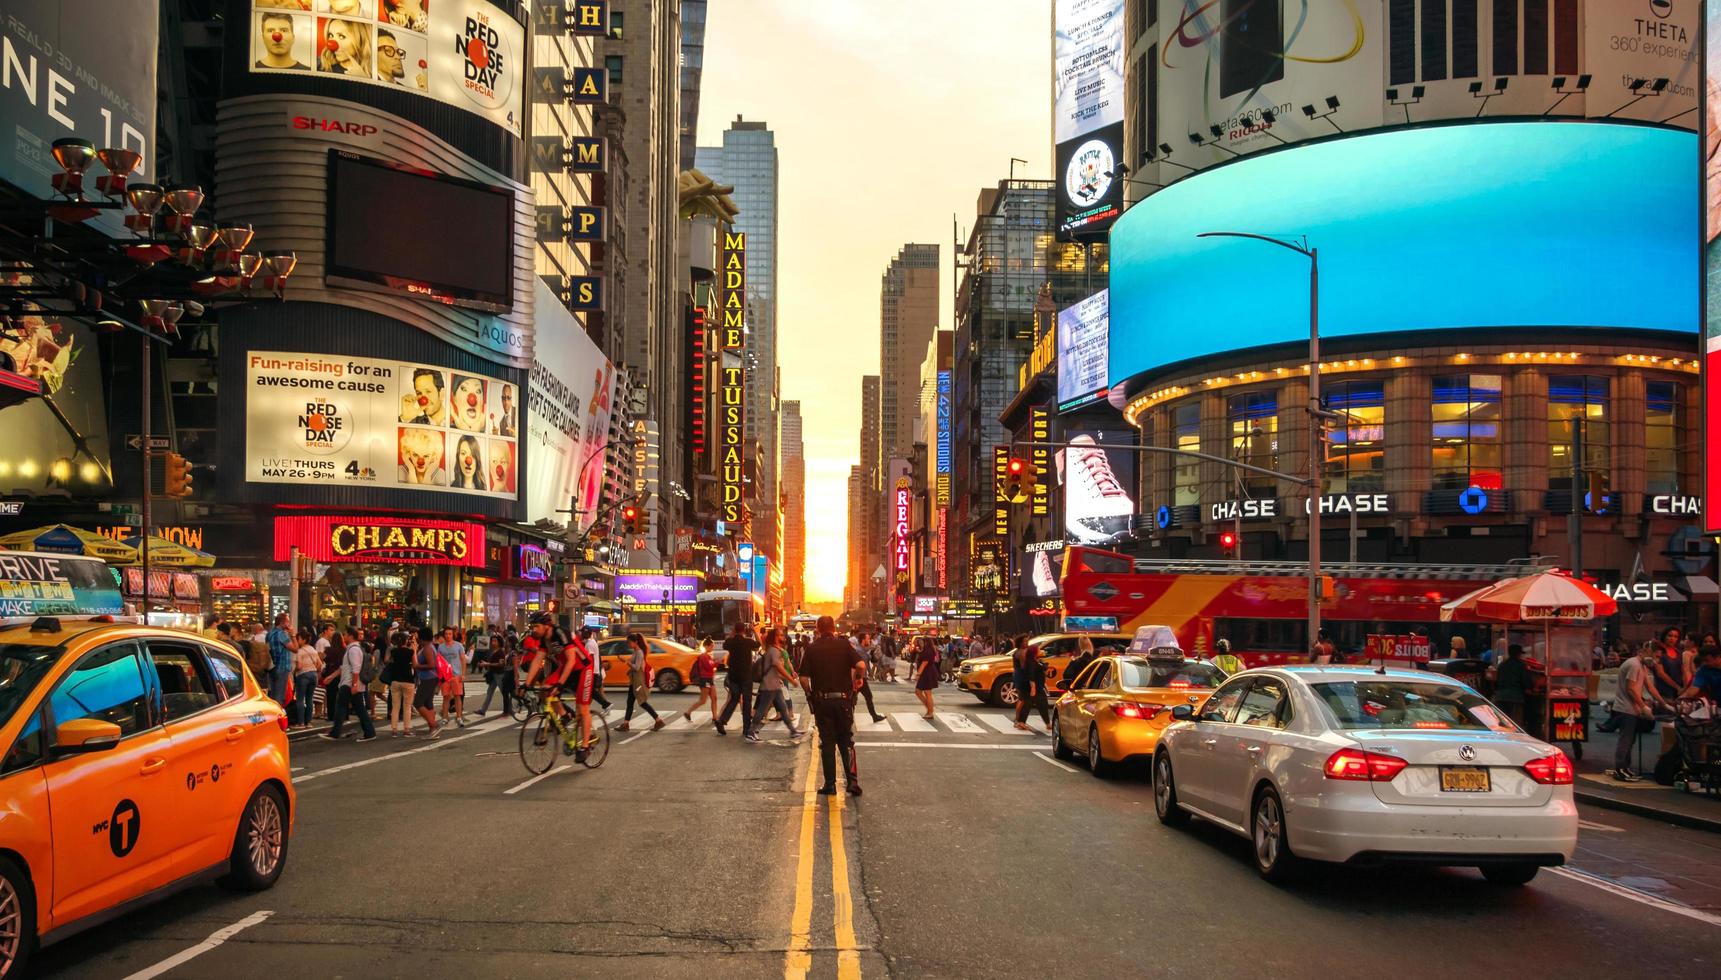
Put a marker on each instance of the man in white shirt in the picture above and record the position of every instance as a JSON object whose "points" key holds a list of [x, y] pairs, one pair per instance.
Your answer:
{"points": [[453, 652], [349, 691]]}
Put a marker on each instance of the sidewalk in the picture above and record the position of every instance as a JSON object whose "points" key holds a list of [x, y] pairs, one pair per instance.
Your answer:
{"points": [[1646, 798]]}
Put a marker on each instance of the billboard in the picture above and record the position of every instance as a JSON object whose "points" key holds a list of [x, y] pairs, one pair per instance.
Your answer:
{"points": [[1483, 192], [647, 587], [732, 381], [56, 443], [1087, 113], [1082, 334], [941, 468], [335, 420], [1712, 267], [567, 418], [1041, 562], [1238, 76], [1098, 474], [468, 54], [392, 540], [76, 68]]}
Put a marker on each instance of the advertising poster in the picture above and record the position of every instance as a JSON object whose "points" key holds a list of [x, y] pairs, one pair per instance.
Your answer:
{"points": [[76, 68], [1083, 332], [648, 587], [568, 422], [1098, 474], [59, 441], [465, 53], [1647, 41], [1090, 190], [359, 421], [943, 456], [1087, 114], [1712, 268], [1041, 563]]}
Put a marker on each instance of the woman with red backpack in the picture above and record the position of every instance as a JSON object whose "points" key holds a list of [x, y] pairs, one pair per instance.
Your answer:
{"points": [[705, 679]]}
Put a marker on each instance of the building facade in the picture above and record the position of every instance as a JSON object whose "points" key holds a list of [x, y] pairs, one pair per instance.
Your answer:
{"points": [[794, 510]]}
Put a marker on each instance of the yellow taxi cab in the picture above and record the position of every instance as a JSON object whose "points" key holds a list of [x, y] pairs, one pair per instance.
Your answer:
{"points": [[1114, 712], [671, 663], [992, 678], [134, 761]]}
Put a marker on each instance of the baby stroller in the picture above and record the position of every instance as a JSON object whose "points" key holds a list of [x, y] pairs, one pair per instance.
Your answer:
{"points": [[1698, 730]]}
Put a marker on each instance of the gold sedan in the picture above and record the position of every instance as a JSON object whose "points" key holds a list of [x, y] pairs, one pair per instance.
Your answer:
{"points": [[1114, 712]]}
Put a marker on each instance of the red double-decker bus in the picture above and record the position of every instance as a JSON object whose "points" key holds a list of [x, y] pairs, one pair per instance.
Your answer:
{"points": [[1262, 606]]}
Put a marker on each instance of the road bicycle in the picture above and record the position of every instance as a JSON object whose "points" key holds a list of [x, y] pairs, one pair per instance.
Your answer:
{"points": [[527, 702], [548, 730]]}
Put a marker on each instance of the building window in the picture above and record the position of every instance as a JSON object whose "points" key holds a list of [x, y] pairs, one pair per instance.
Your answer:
{"points": [[1661, 417], [615, 24], [613, 63], [1577, 403], [1467, 432], [1255, 438], [1356, 443], [1186, 472]]}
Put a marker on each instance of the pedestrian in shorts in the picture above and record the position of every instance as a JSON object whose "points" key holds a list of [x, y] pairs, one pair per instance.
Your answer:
{"points": [[425, 677]]}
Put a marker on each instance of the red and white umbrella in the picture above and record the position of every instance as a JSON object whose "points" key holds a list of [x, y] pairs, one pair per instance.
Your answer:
{"points": [[1547, 597]]}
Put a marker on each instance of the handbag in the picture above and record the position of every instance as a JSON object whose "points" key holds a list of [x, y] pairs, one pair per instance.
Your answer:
{"points": [[444, 673]]}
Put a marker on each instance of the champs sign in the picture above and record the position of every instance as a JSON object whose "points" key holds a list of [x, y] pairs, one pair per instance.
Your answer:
{"points": [[366, 539], [732, 379]]}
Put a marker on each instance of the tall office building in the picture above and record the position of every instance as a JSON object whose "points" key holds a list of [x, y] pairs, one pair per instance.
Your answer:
{"points": [[853, 589], [692, 67], [643, 56], [748, 161], [794, 510], [908, 317], [872, 464]]}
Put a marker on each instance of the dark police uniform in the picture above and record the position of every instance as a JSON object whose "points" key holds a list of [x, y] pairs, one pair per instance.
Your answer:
{"points": [[828, 666]]}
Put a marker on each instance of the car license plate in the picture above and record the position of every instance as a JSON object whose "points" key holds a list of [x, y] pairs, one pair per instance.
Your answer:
{"points": [[1458, 779]]}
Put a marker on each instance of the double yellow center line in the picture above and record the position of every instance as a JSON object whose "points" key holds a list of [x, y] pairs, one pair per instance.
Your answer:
{"points": [[799, 958]]}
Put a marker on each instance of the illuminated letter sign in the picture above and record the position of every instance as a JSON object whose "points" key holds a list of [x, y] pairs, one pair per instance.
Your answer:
{"points": [[942, 469], [1040, 425], [900, 532], [1000, 500], [363, 539], [732, 378]]}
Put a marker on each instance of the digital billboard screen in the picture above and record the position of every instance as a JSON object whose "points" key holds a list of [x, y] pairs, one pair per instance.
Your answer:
{"points": [[1098, 474], [1512, 224], [1087, 113], [1712, 266], [1082, 335]]}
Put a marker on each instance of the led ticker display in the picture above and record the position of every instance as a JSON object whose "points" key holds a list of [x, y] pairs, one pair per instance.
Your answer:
{"points": [[732, 379]]}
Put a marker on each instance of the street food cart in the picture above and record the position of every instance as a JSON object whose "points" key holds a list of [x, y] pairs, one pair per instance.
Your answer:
{"points": [[1553, 617]]}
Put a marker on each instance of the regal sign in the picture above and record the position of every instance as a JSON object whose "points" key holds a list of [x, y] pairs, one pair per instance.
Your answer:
{"points": [[900, 527], [732, 379], [381, 539]]}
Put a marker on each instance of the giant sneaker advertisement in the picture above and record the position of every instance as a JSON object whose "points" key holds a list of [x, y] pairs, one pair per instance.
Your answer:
{"points": [[332, 420], [1098, 476]]}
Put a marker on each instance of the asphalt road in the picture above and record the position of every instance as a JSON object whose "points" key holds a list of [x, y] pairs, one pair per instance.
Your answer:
{"points": [[971, 854]]}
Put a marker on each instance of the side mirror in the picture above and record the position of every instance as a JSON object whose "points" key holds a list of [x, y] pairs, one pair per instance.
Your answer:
{"points": [[86, 735], [1183, 712]]}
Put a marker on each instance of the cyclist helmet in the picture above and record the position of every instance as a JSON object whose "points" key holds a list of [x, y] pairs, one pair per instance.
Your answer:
{"points": [[542, 619]]}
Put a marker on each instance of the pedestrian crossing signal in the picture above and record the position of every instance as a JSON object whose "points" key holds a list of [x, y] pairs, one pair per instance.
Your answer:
{"points": [[1228, 543]]}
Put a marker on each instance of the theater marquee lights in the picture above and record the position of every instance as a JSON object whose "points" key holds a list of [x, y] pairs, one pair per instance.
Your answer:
{"points": [[732, 378], [900, 527]]}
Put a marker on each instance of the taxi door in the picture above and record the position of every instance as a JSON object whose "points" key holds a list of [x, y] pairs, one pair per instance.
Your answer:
{"points": [[207, 739], [615, 655], [1093, 694], [113, 811]]}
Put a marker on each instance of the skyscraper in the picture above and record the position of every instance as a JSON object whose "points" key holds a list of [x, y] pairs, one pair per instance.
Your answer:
{"points": [[872, 498], [748, 160], [794, 510], [908, 316], [692, 68]]}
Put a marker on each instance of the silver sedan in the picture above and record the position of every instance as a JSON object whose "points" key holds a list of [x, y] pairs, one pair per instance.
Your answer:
{"points": [[1348, 764]]}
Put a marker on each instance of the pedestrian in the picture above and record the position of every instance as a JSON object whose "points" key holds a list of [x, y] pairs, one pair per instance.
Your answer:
{"points": [[704, 680], [927, 682], [887, 650], [349, 690], [832, 671], [453, 652], [1631, 706], [305, 665], [1030, 684], [593, 657], [1079, 662], [1706, 680], [1511, 684], [331, 652], [739, 655], [426, 679], [501, 668], [1224, 659], [1323, 650], [397, 674], [773, 671], [638, 683], [1671, 669]]}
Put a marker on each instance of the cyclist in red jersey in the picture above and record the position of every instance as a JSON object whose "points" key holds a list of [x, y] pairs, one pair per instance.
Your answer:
{"points": [[567, 670]]}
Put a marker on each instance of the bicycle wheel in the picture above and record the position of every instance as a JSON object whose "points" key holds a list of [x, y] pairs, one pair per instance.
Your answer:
{"points": [[525, 704], [600, 747], [539, 744]]}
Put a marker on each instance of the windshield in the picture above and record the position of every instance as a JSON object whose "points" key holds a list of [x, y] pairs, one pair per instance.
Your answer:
{"points": [[1407, 704], [1170, 673], [22, 668]]}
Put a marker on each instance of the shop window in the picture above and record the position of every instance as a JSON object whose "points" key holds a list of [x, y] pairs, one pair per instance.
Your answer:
{"points": [[1356, 453], [1466, 435], [1186, 472], [1661, 428], [1578, 410], [1255, 438]]}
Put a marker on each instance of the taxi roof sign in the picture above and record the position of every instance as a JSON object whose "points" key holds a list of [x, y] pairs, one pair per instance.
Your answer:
{"points": [[1156, 641]]}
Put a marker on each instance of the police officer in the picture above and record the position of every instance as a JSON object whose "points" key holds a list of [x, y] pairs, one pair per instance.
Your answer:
{"points": [[831, 672], [1227, 661]]}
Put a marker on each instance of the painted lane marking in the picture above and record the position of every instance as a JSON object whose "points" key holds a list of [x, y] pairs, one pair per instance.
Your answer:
{"points": [[1004, 723], [429, 747], [798, 960], [1634, 895], [1588, 825], [911, 721], [1060, 765], [943, 745], [215, 939], [535, 779], [960, 723], [842, 904]]}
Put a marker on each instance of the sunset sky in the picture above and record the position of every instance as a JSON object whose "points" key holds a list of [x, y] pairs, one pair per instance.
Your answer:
{"points": [[889, 115]]}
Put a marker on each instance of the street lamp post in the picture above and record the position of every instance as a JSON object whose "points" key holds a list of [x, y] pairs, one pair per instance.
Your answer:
{"points": [[1317, 416]]}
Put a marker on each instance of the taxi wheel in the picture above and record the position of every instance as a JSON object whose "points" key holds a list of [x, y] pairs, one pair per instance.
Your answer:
{"points": [[1272, 838], [1004, 693], [17, 920], [1060, 749], [669, 681], [1165, 793], [260, 846], [1097, 763]]}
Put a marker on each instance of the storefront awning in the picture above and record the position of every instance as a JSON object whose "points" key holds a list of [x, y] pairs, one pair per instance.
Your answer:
{"points": [[1699, 587]]}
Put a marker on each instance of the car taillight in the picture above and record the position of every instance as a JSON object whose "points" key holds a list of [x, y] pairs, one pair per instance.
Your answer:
{"points": [[1553, 770], [1364, 766], [1141, 712], [282, 721], [1178, 684]]}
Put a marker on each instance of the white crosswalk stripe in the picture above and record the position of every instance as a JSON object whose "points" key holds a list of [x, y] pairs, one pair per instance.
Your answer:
{"points": [[959, 722], [1003, 723], [910, 721], [865, 724], [896, 722]]}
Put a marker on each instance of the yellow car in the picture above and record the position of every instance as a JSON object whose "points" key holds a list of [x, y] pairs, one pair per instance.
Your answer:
{"points": [[992, 680], [134, 761], [1113, 714], [671, 663]]}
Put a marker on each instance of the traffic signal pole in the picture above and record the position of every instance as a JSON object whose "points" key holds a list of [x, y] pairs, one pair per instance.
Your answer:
{"points": [[148, 456]]}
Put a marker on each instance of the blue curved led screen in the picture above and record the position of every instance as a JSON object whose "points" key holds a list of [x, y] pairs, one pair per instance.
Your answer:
{"points": [[1479, 225]]}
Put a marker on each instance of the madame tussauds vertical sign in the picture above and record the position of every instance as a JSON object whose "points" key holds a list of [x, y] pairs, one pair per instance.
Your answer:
{"points": [[732, 379]]}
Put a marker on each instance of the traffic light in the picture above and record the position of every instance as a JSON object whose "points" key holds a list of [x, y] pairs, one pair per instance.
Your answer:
{"points": [[176, 481], [1228, 543], [1020, 486], [629, 518]]}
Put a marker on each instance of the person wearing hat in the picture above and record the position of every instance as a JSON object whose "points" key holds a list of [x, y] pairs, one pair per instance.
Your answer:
{"points": [[1227, 661], [831, 672]]}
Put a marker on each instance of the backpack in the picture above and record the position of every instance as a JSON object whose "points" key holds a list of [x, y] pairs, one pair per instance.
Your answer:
{"points": [[367, 669], [258, 657]]}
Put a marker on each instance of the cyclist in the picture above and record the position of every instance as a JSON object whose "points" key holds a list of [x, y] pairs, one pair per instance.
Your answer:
{"points": [[566, 671]]}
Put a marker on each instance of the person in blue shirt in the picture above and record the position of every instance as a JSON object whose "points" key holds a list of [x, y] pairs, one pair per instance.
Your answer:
{"points": [[1706, 683], [280, 641]]}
